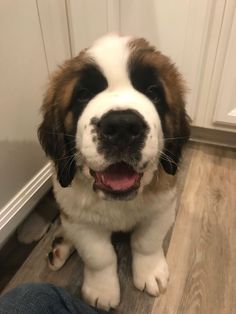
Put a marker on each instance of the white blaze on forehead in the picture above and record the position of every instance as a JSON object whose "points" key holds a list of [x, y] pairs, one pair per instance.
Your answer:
{"points": [[111, 53], [121, 97]]}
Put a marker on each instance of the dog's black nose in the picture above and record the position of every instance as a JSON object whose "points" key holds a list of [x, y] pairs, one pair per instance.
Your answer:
{"points": [[124, 126]]}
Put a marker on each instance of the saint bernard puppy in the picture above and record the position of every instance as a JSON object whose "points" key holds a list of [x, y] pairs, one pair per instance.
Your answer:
{"points": [[114, 125]]}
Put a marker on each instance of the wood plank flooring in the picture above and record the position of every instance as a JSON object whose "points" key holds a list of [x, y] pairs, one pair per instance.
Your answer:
{"points": [[202, 250]]}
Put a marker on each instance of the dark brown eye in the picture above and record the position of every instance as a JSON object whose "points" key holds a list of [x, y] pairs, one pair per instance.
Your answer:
{"points": [[84, 95], [153, 93]]}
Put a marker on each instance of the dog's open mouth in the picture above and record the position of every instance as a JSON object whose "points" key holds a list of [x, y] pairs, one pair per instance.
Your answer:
{"points": [[117, 178]]}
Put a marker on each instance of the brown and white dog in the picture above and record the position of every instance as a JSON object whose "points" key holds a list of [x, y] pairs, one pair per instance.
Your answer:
{"points": [[114, 124]]}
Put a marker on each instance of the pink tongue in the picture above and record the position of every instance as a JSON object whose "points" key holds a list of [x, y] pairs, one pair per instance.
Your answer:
{"points": [[119, 183], [119, 177]]}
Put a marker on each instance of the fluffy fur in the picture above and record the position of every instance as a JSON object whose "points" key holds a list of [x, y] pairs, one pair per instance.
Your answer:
{"points": [[116, 75]]}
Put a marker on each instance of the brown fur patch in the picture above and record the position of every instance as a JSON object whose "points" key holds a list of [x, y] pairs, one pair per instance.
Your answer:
{"points": [[66, 92], [170, 77], [69, 119], [175, 122], [140, 44], [62, 82]]}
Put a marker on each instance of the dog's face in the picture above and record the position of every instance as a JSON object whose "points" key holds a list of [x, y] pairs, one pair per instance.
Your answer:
{"points": [[115, 113]]}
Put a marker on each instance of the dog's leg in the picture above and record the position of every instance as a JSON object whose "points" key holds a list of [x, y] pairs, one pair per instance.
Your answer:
{"points": [[101, 285], [150, 269], [61, 250]]}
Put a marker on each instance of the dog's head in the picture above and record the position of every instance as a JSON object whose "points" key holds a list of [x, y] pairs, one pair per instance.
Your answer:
{"points": [[115, 113]]}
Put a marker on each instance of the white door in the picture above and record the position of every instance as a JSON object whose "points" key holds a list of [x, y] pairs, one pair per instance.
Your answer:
{"points": [[225, 106], [24, 73]]}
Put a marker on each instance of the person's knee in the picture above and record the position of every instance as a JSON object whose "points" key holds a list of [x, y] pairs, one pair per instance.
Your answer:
{"points": [[42, 298], [34, 289], [30, 296]]}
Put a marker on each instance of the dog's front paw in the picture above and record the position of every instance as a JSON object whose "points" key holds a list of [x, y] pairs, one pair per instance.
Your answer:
{"points": [[150, 273], [101, 288], [60, 252]]}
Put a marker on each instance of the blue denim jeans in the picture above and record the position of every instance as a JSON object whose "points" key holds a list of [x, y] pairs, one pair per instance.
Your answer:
{"points": [[43, 298]]}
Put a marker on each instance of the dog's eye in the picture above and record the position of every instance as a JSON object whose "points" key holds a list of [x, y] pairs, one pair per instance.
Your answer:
{"points": [[84, 95], [152, 92]]}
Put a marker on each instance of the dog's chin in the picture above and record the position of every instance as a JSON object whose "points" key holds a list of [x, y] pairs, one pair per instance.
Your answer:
{"points": [[119, 181], [121, 196]]}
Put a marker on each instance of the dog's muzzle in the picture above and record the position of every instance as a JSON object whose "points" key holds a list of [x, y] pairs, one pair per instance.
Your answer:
{"points": [[121, 135]]}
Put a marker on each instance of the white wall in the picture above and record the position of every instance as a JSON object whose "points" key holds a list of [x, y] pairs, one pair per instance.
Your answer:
{"points": [[23, 76], [34, 41]]}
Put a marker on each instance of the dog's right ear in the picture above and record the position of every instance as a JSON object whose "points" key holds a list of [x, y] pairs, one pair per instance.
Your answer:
{"points": [[56, 142]]}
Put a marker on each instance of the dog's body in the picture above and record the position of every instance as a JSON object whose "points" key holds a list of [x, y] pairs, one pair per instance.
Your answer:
{"points": [[114, 120]]}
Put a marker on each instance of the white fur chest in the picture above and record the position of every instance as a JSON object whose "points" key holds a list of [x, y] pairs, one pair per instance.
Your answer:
{"points": [[82, 205]]}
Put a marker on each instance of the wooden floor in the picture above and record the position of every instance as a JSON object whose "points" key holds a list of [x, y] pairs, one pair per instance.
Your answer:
{"points": [[201, 253]]}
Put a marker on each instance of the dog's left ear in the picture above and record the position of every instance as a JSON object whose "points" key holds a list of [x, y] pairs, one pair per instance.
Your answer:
{"points": [[176, 122], [53, 136], [57, 145]]}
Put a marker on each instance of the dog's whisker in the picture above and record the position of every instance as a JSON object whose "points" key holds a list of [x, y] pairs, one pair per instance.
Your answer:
{"points": [[168, 158], [63, 158], [174, 138], [61, 133], [170, 152], [68, 162]]}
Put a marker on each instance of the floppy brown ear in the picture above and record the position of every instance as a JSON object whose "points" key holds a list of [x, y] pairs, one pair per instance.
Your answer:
{"points": [[175, 122], [156, 76], [55, 140], [173, 144]]}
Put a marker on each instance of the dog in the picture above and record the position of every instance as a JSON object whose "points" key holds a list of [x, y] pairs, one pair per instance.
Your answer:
{"points": [[114, 125]]}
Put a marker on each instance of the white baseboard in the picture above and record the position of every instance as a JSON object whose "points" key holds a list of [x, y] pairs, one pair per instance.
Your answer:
{"points": [[212, 136], [22, 203]]}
